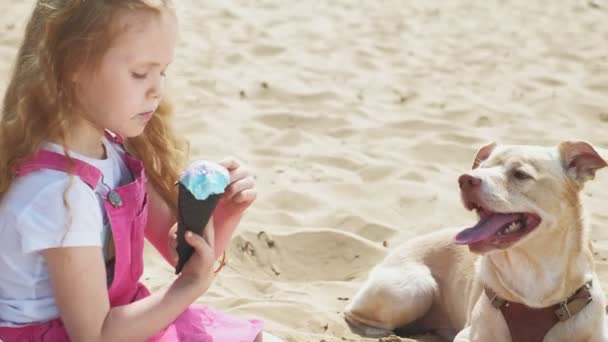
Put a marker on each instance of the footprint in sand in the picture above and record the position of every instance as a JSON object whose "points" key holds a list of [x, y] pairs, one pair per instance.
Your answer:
{"points": [[483, 121], [319, 123], [374, 173], [294, 200], [234, 58], [461, 139], [549, 81], [267, 50]]}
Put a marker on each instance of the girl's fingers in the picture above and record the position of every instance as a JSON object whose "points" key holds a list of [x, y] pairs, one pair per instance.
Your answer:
{"points": [[173, 246], [238, 174], [239, 186], [173, 241], [209, 234], [246, 196], [229, 163], [197, 242]]}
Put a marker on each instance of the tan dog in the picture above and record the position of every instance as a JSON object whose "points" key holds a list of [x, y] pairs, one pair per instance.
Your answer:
{"points": [[531, 246]]}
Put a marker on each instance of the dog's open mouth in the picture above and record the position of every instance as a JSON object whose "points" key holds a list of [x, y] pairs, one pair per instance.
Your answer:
{"points": [[497, 230]]}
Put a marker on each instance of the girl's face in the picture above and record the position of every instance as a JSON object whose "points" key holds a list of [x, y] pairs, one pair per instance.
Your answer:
{"points": [[123, 93]]}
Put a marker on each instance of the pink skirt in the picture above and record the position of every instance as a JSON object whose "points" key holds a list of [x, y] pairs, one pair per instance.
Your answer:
{"points": [[204, 324], [197, 324]]}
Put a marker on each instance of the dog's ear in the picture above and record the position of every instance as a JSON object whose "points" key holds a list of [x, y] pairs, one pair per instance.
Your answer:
{"points": [[580, 160], [483, 154]]}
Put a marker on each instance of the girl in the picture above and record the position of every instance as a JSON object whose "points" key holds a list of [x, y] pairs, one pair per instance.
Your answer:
{"points": [[83, 116]]}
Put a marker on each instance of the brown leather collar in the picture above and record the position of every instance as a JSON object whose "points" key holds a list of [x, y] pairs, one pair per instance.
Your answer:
{"points": [[528, 324]]}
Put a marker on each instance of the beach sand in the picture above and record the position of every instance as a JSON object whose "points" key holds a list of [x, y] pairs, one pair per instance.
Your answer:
{"points": [[357, 119]]}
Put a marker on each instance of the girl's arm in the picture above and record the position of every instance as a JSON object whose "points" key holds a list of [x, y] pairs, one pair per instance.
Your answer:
{"points": [[161, 219], [78, 278]]}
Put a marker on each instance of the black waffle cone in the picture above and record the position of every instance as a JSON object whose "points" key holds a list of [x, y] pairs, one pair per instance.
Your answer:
{"points": [[192, 215]]}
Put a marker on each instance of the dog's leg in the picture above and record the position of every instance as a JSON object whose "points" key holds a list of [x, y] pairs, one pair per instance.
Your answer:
{"points": [[463, 335], [390, 298], [434, 321]]}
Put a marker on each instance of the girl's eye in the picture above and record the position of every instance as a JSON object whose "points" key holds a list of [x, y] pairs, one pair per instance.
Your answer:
{"points": [[521, 175], [139, 76]]}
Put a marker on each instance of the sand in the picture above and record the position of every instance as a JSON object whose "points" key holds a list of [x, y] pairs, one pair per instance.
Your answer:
{"points": [[357, 119]]}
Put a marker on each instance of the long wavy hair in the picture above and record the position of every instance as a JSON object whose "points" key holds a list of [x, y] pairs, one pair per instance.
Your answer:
{"points": [[62, 37]]}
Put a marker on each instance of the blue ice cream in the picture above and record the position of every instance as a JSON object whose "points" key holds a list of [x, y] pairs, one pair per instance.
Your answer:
{"points": [[203, 179]]}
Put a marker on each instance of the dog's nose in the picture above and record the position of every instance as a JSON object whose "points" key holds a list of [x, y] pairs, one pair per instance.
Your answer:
{"points": [[468, 182]]}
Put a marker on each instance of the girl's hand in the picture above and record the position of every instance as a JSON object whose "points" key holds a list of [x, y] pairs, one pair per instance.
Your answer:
{"points": [[239, 195], [199, 268], [172, 242]]}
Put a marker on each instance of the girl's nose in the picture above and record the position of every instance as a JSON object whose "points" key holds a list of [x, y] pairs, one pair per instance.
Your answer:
{"points": [[157, 87]]}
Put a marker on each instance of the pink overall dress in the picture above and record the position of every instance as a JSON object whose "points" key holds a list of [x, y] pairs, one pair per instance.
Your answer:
{"points": [[127, 211]]}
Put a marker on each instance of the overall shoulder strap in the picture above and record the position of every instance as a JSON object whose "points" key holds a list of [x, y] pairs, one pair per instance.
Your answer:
{"points": [[55, 161]]}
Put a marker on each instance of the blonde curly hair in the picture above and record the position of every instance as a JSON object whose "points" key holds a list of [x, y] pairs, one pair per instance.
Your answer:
{"points": [[62, 37]]}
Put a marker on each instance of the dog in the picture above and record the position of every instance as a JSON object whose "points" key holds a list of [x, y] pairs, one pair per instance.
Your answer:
{"points": [[523, 273]]}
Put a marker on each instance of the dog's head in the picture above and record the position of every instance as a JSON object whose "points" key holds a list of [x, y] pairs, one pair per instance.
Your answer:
{"points": [[521, 192]]}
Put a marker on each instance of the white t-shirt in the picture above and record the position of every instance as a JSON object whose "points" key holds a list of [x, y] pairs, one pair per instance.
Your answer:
{"points": [[33, 217]]}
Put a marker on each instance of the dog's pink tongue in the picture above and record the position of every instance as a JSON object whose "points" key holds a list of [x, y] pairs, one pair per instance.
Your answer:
{"points": [[486, 228]]}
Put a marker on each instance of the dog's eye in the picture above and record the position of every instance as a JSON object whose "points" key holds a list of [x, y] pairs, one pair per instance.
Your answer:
{"points": [[521, 175]]}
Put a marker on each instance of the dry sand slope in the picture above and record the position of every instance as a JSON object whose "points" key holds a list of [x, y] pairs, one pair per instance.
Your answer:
{"points": [[358, 117]]}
